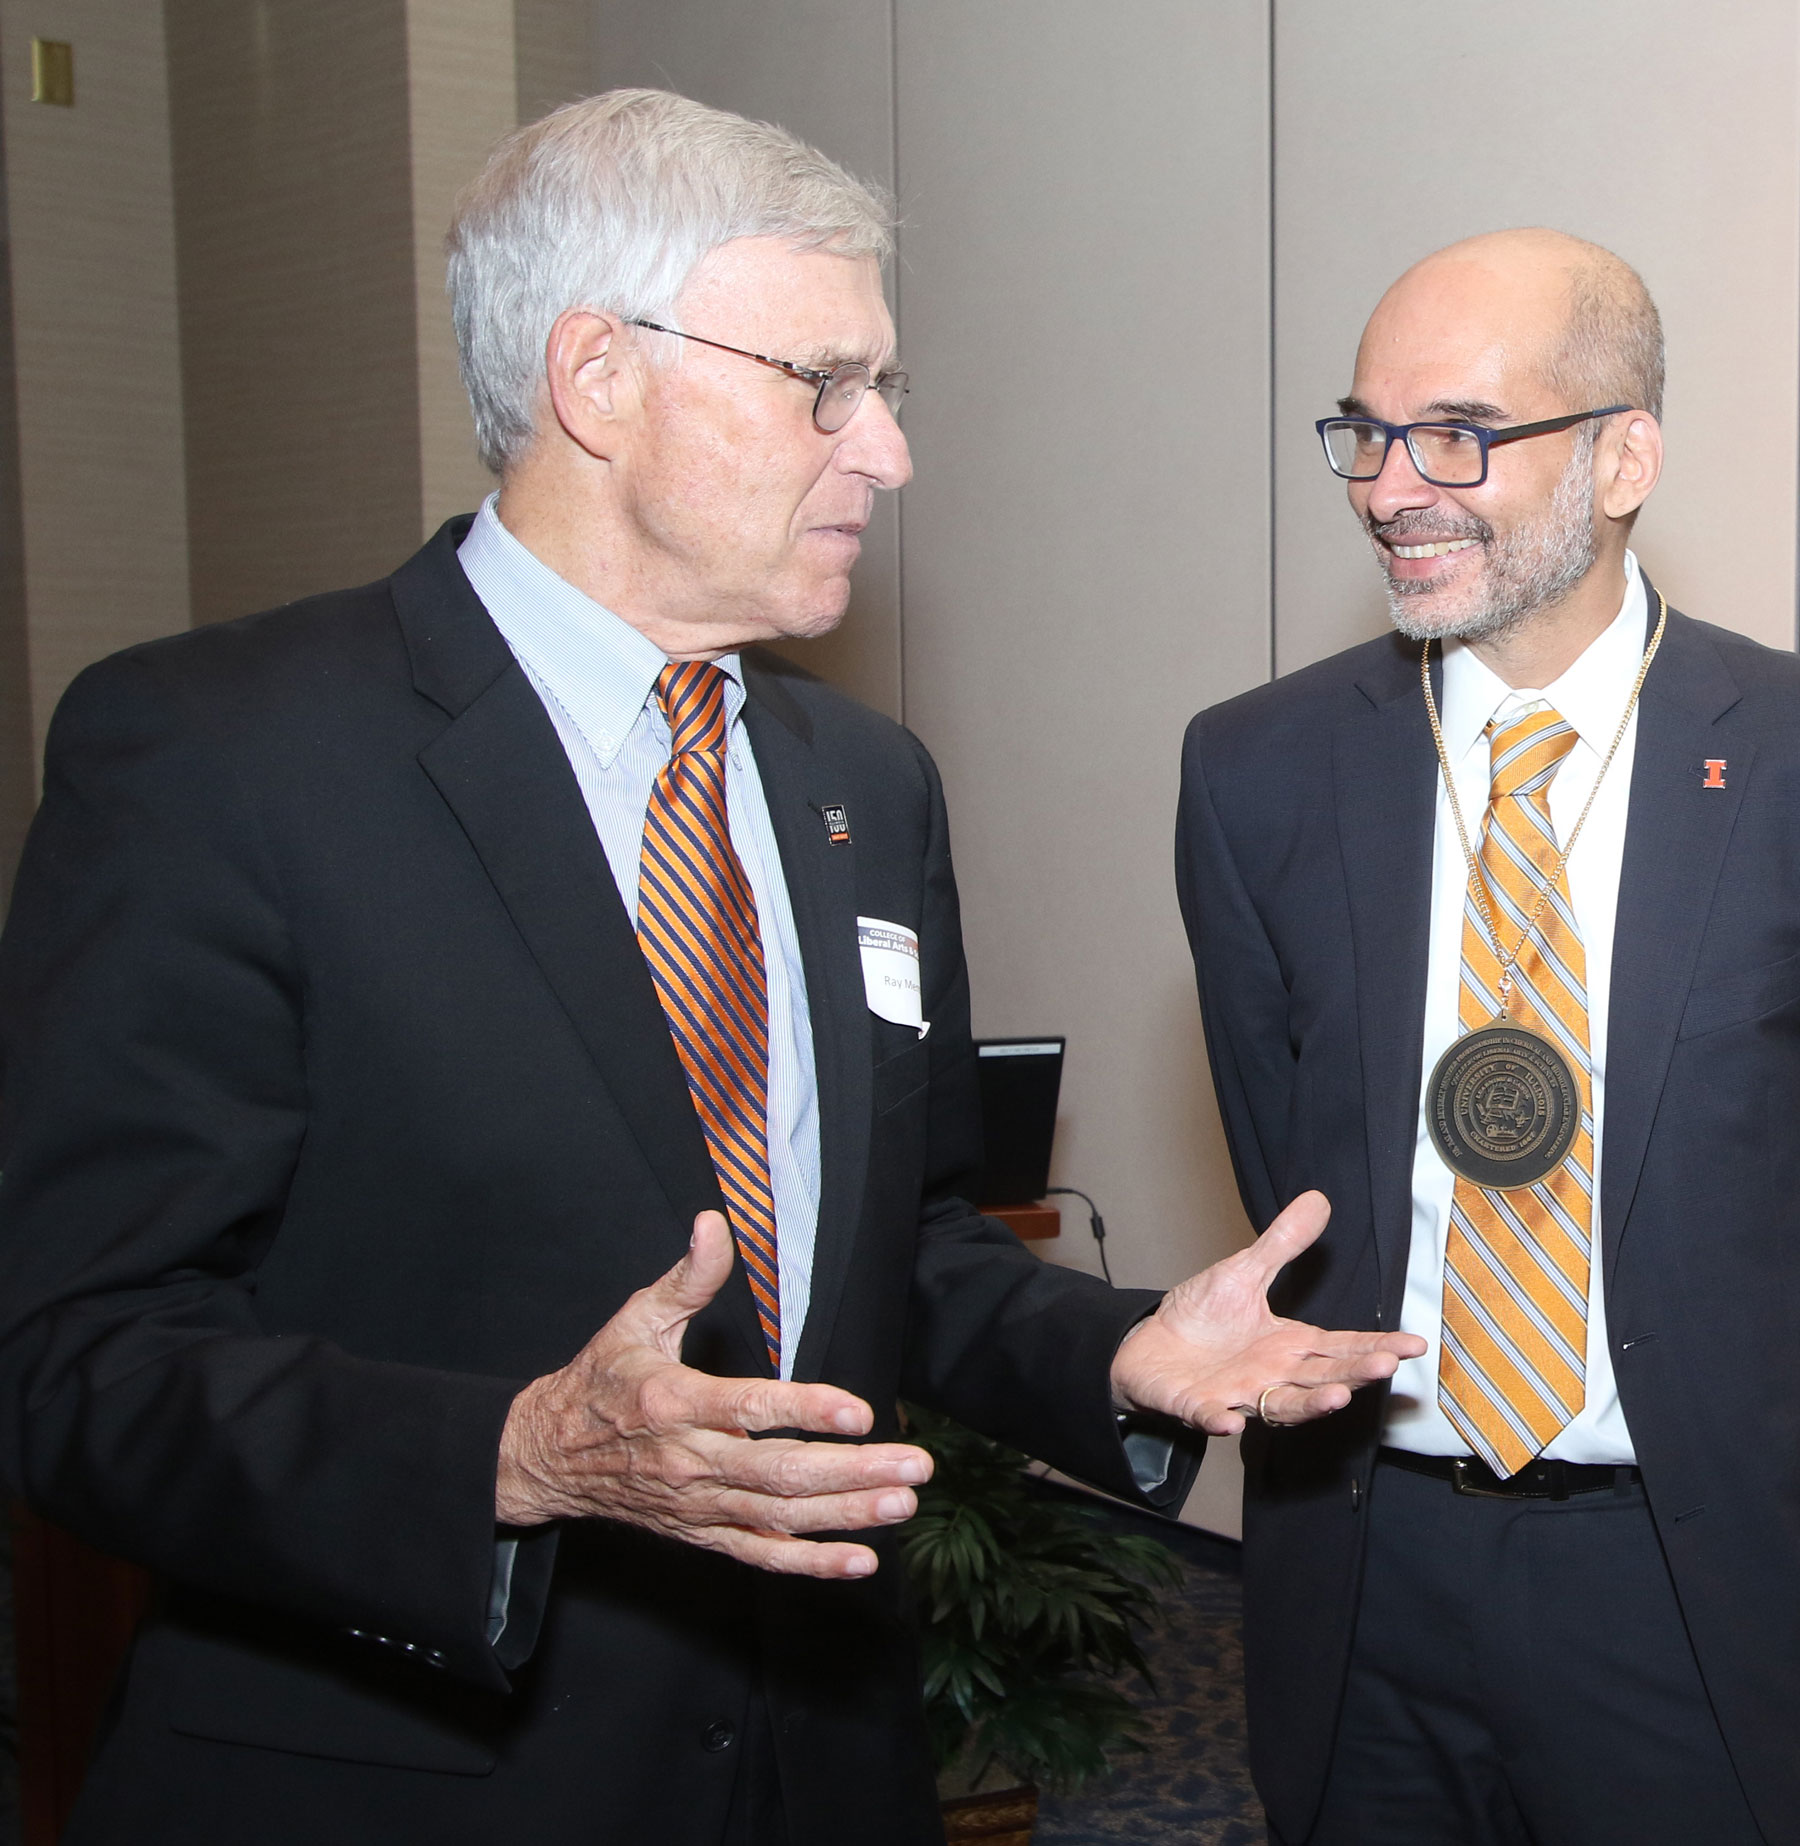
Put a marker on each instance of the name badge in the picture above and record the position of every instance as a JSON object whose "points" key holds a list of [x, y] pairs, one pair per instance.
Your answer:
{"points": [[890, 965]]}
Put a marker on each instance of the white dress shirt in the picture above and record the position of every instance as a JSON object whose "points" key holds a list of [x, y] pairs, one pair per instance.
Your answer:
{"points": [[1592, 696], [596, 675]]}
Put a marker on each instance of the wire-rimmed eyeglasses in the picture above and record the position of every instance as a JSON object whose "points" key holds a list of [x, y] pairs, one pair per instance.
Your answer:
{"points": [[1445, 454], [840, 389]]}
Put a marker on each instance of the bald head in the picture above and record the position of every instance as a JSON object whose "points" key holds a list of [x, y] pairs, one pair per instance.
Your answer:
{"points": [[1581, 314]]}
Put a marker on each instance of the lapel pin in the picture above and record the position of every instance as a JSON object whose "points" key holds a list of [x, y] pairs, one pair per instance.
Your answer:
{"points": [[1715, 772], [837, 823]]}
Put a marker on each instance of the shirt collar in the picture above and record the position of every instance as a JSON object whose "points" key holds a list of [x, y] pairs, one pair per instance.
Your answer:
{"points": [[1591, 694], [597, 667]]}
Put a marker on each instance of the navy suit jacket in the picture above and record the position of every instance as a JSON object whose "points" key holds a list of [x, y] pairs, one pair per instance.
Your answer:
{"points": [[1304, 862], [338, 1103]]}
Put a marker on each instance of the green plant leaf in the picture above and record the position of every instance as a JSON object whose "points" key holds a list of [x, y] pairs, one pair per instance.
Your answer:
{"points": [[1027, 1600]]}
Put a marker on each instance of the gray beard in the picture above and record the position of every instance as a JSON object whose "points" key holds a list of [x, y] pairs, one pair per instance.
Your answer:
{"points": [[1533, 567]]}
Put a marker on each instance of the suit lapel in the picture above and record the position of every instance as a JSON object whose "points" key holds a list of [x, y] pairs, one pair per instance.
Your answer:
{"points": [[501, 769], [1675, 841], [1385, 771], [821, 885]]}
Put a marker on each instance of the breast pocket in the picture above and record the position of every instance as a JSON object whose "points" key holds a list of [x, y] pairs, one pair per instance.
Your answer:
{"points": [[1739, 998], [901, 1077]]}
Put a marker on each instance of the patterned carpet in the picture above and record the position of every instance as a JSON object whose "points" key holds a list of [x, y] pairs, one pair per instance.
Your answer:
{"points": [[1192, 1786]]}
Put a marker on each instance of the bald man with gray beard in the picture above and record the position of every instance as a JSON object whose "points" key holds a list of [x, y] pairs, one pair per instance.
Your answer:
{"points": [[1496, 929]]}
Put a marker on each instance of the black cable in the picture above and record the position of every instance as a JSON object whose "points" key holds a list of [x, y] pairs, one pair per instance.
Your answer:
{"points": [[1096, 1224]]}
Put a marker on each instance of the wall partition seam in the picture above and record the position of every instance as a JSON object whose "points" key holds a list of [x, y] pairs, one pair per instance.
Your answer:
{"points": [[461, 97], [900, 336], [1270, 153], [17, 769]]}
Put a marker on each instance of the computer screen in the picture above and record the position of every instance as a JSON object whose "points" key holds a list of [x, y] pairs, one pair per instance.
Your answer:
{"points": [[1020, 1078]]}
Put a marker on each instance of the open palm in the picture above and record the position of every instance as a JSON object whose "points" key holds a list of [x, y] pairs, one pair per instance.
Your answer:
{"points": [[1215, 1356]]}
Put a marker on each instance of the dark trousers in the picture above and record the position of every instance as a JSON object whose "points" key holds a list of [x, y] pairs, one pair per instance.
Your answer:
{"points": [[1521, 1676]]}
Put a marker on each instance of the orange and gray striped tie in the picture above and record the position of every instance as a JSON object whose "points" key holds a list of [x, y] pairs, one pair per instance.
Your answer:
{"points": [[1513, 1366], [698, 931]]}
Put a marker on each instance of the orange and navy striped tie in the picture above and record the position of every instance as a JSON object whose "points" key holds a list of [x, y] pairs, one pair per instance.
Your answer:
{"points": [[1512, 1370], [697, 928]]}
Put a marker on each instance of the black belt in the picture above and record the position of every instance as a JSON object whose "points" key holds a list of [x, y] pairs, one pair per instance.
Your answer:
{"points": [[1537, 1480]]}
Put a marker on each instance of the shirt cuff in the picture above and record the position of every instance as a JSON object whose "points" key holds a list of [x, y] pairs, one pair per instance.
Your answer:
{"points": [[1149, 1453], [506, 1553]]}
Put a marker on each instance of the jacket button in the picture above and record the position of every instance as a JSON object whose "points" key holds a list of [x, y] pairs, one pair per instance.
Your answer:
{"points": [[718, 1736]]}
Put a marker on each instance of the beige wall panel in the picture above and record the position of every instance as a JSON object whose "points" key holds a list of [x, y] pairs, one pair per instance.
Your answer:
{"points": [[299, 312], [1668, 134], [462, 98], [822, 68], [1086, 542], [99, 382], [553, 52]]}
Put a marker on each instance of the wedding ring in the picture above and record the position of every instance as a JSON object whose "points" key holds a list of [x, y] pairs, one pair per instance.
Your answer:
{"points": [[1262, 1414]]}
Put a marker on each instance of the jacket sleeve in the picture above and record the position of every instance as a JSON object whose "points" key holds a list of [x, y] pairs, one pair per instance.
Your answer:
{"points": [[1243, 997], [1011, 1345], [153, 1100]]}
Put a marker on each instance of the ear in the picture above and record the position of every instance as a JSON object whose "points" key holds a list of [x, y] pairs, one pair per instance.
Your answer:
{"points": [[1627, 465], [592, 379]]}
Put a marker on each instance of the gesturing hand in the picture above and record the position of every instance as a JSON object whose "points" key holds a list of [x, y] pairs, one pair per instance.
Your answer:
{"points": [[1213, 1355], [626, 1431]]}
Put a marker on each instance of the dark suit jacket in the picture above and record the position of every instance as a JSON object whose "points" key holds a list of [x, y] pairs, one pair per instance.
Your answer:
{"points": [[1304, 861], [338, 1104]]}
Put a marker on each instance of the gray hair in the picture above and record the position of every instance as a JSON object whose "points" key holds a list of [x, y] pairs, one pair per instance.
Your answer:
{"points": [[609, 204]]}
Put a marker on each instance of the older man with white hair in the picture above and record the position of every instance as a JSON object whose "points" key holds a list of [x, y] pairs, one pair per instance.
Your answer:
{"points": [[405, 984]]}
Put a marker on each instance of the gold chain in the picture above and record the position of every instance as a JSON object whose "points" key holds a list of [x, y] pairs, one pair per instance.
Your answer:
{"points": [[1477, 883]]}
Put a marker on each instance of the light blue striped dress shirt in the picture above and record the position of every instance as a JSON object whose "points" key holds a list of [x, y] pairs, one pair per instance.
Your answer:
{"points": [[597, 677]]}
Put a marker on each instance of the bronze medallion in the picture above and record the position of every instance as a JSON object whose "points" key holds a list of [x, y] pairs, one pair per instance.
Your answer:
{"points": [[1503, 1105]]}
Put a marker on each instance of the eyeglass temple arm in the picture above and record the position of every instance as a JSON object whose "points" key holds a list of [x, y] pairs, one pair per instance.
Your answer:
{"points": [[807, 374], [743, 352], [1520, 430]]}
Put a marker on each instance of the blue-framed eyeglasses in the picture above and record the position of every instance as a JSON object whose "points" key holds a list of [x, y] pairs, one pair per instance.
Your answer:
{"points": [[840, 390], [1445, 454]]}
